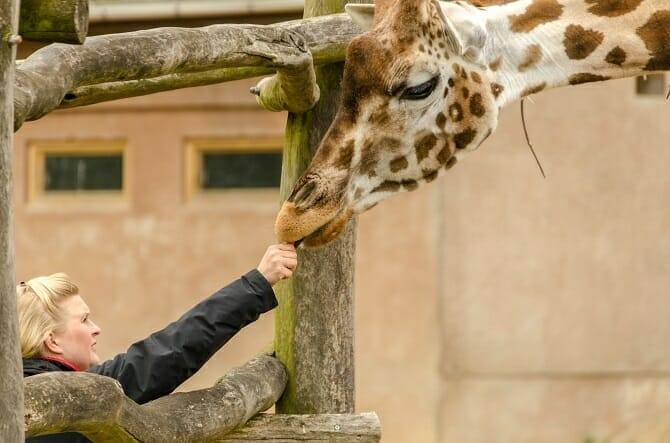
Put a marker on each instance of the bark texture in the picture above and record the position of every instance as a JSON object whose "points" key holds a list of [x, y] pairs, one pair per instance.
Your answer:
{"points": [[171, 56], [96, 406], [314, 328], [64, 21], [11, 394], [344, 428]]}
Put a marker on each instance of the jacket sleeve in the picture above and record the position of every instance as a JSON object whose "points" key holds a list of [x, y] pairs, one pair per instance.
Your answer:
{"points": [[155, 366]]}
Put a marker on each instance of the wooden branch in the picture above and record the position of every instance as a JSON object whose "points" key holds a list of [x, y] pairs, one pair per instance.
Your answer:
{"points": [[360, 428], [96, 406], [11, 395], [89, 95], [64, 21], [52, 73], [292, 89]]}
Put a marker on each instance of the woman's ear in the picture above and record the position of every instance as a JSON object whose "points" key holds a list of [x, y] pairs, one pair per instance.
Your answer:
{"points": [[51, 345]]}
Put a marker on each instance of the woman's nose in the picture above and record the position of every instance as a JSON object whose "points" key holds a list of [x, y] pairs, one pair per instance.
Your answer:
{"points": [[96, 329]]}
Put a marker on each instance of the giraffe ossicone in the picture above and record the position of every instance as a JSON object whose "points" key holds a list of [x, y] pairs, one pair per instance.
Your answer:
{"points": [[424, 84]]}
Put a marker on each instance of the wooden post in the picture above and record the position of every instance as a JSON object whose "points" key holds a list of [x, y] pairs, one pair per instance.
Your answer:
{"points": [[11, 375], [64, 21], [314, 324]]}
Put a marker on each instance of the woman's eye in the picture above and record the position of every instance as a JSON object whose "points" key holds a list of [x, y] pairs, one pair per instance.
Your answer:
{"points": [[420, 91]]}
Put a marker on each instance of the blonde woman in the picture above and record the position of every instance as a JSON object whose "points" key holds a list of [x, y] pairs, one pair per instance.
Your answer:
{"points": [[58, 333]]}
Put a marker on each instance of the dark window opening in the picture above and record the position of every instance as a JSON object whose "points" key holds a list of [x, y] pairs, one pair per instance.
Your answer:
{"points": [[225, 170], [65, 172]]}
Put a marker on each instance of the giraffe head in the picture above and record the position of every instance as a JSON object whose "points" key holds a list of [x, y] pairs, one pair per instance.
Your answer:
{"points": [[416, 97]]}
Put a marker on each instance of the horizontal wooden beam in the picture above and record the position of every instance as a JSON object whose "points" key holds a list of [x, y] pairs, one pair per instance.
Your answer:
{"points": [[174, 57], [360, 428], [64, 21], [97, 407]]}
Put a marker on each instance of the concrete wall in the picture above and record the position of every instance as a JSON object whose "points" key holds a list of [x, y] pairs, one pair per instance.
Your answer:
{"points": [[492, 305]]}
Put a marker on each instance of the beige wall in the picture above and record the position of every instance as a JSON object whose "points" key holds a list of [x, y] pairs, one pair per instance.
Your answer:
{"points": [[492, 305]]}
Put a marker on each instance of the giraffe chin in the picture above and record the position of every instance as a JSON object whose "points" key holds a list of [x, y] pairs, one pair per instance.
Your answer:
{"points": [[328, 232]]}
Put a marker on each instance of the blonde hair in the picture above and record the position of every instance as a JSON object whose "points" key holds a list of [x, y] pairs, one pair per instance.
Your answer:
{"points": [[40, 312]]}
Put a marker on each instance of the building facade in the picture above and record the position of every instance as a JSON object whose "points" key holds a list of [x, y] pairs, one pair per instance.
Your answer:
{"points": [[491, 305]]}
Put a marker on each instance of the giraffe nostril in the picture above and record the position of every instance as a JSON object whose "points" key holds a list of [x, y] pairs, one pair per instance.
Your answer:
{"points": [[302, 191]]}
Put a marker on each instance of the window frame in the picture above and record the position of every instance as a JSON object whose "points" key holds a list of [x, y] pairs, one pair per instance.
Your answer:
{"points": [[196, 147], [38, 151]]}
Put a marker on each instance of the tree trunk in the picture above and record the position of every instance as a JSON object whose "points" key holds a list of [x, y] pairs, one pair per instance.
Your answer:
{"points": [[64, 21], [314, 324], [11, 393]]}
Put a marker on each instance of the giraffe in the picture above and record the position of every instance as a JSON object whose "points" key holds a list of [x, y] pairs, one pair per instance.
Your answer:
{"points": [[424, 85]]}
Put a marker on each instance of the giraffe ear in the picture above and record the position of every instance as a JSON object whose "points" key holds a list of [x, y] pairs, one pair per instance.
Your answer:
{"points": [[465, 35], [362, 14]]}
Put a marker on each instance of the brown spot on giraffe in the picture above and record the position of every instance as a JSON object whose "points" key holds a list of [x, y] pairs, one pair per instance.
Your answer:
{"points": [[388, 186], [477, 105], [410, 185], [369, 158], [612, 8], [531, 57], [429, 175], [464, 138], [443, 155], [496, 89], [450, 164], [424, 145], [616, 56], [495, 64], [380, 116], [344, 156], [586, 77], [533, 89], [398, 164], [536, 14], [466, 92], [456, 112], [446, 91], [440, 120], [579, 43], [656, 38], [451, 82], [475, 77]]}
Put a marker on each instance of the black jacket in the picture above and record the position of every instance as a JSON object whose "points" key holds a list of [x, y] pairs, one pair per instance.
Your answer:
{"points": [[155, 366]]}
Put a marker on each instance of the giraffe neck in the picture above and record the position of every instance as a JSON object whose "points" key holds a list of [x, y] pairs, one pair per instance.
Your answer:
{"points": [[539, 44]]}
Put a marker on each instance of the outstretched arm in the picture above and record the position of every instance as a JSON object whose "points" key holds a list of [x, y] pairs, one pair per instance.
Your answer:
{"points": [[155, 366]]}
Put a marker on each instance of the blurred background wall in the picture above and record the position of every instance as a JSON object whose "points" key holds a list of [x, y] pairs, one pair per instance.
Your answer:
{"points": [[491, 305]]}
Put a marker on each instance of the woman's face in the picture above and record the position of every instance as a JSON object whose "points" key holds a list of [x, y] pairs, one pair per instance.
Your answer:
{"points": [[76, 341]]}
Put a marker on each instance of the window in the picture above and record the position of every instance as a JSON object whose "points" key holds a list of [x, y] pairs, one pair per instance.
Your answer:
{"points": [[651, 85], [227, 164], [77, 169]]}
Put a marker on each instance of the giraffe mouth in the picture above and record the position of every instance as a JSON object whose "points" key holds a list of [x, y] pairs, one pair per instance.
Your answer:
{"points": [[295, 228]]}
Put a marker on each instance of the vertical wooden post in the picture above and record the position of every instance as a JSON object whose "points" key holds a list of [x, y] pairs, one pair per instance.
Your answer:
{"points": [[11, 375], [314, 324]]}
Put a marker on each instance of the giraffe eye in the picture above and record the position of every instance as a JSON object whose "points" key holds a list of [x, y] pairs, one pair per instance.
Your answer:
{"points": [[421, 91]]}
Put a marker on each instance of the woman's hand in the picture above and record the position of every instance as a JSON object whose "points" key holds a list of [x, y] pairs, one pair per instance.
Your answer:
{"points": [[278, 263]]}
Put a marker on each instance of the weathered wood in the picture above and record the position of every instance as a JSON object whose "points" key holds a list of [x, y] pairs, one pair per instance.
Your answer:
{"points": [[89, 95], [11, 394], [64, 21], [314, 325], [96, 406], [52, 73], [292, 89], [361, 428]]}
